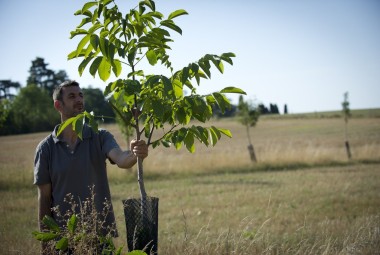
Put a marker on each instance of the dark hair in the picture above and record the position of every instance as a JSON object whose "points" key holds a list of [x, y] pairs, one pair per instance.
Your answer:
{"points": [[57, 94]]}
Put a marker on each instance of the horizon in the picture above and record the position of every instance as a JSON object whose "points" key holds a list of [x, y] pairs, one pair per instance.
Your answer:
{"points": [[303, 54]]}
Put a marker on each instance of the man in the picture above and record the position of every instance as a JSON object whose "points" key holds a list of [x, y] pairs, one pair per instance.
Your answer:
{"points": [[67, 165]]}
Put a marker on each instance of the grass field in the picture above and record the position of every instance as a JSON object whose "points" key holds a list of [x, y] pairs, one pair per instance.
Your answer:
{"points": [[302, 197]]}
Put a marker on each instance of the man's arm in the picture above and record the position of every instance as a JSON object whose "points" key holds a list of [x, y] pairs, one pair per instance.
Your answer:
{"points": [[44, 203], [126, 159]]}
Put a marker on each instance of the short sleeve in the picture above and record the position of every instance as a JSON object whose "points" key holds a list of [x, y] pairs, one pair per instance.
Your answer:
{"points": [[41, 165], [108, 141]]}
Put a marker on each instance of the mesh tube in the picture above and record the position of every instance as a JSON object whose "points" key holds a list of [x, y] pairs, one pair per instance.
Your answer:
{"points": [[141, 224]]}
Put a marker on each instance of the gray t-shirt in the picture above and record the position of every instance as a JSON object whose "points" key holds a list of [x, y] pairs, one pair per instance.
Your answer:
{"points": [[77, 172]]}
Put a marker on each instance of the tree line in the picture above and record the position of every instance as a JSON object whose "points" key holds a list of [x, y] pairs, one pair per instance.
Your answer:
{"points": [[29, 108]]}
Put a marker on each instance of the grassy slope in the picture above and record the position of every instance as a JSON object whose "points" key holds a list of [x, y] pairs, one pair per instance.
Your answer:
{"points": [[219, 196]]}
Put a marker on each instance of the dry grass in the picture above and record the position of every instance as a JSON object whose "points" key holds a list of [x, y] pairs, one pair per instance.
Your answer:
{"points": [[216, 202]]}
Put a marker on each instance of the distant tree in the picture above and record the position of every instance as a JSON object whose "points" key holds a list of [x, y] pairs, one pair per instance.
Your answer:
{"points": [[285, 109], [346, 116], [248, 116], [229, 112], [60, 77], [4, 112], [43, 77], [5, 89], [263, 109], [32, 111], [95, 101], [273, 109]]}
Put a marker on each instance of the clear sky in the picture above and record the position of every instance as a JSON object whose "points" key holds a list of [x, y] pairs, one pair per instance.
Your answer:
{"points": [[303, 53]]}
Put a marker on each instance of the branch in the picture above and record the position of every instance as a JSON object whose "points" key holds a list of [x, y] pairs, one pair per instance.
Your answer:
{"points": [[173, 127], [151, 133], [126, 122]]}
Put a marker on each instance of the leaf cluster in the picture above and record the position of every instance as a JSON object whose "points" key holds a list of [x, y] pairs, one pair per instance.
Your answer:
{"points": [[111, 40], [248, 113]]}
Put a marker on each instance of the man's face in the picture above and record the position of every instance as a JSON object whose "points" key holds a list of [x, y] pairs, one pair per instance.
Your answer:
{"points": [[73, 101]]}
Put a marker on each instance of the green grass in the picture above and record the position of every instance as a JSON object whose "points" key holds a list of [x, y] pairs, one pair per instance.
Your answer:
{"points": [[302, 197]]}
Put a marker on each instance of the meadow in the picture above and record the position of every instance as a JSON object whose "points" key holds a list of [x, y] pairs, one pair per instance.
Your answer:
{"points": [[303, 196]]}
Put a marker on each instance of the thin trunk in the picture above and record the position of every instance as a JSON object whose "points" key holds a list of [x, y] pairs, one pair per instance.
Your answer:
{"points": [[346, 143], [140, 169], [251, 150]]}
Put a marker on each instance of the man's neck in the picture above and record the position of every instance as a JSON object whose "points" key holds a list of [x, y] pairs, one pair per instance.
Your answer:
{"points": [[69, 135]]}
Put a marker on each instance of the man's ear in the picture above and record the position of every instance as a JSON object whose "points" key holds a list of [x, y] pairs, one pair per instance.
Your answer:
{"points": [[57, 105]]}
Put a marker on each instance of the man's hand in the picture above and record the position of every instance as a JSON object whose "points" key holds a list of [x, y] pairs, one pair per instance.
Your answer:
{"points": [[139, 148]]}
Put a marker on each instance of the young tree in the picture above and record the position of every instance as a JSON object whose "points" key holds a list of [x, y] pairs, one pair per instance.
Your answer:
{"points": [[248, 116], [346, 116], [148, 102]]}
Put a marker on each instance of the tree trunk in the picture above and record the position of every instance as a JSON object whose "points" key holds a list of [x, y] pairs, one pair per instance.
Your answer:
{"points": [[251, 151], [348, 149], [347, 144]]}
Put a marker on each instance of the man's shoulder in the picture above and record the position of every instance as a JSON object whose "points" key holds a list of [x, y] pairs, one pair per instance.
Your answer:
{"points": [[46, 142]]}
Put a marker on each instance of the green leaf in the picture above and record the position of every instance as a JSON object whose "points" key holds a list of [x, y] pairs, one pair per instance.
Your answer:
{"points": [[72, 55], [205, 65], [93, 124], [45, 236], [170, 24], [168, 87], [62, 244], [77, 31], [83, 64], [233, 90], [178, 88], [214, 135], [104, 70], [158, 108], [78, 125], [225, 132], [116, 67], [95, 65], [185, 74], [189, 142], [177, 13], [201, 133], [222, 101], [94, 40], [152, 57], [64, 124], [88, 5], [150, 4], [103, 43], [72, 223], [182, 117], [83, 43], [218, 64], [84, 21], [136, 252], [227, 57], [50, 223], [132, 55], [165, 143]]}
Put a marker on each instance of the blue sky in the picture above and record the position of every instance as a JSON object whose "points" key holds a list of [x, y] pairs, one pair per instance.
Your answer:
{"points": [[305, 54]]}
